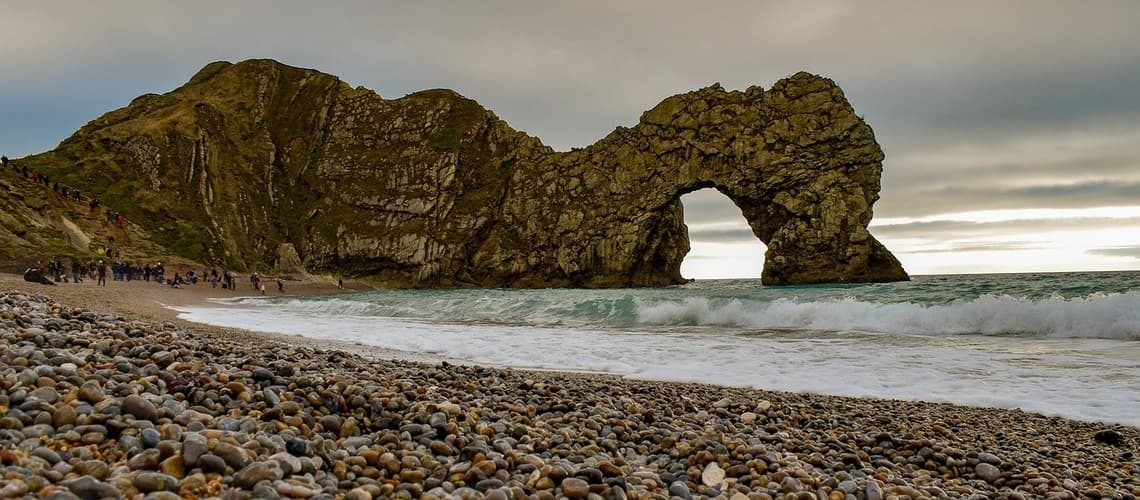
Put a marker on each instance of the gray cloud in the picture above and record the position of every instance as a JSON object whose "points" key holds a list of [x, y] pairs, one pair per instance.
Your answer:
{"points": [[977, 105], [955, 229], [1133, 252], [691, 256], [983, 247], [941, 199], [1094, 165], [728, 235], [709, 206]]}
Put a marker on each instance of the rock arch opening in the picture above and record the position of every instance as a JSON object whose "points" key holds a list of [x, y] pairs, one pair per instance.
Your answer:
{"points": [[721, 243]]}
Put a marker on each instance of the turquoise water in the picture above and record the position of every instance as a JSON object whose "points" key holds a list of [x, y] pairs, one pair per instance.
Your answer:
{"points": [[1065, 343]]}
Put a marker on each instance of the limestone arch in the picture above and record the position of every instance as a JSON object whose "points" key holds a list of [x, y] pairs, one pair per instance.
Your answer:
{"points": [[800, 165]]}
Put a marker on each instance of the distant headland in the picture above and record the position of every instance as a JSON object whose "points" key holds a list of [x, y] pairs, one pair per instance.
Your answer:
{"points": [[263, 166]]}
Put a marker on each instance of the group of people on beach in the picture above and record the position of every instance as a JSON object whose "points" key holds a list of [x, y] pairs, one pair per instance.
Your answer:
{"points": [[256, 279], [55, 271], [120, 270]]}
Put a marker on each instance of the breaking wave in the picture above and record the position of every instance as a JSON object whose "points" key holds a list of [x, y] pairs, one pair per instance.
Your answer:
{"points": [[1097, 315], [1062, 344], [1107, 316]]}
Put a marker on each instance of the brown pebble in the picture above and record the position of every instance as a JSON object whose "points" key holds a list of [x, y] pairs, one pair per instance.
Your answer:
{"points": [[64, 415], [174, 466], [573, 487]]}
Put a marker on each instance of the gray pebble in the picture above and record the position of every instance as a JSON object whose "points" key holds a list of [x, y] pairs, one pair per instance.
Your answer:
{"points": [[150, 437], [155, 481], [89, 487], [987, 472]]}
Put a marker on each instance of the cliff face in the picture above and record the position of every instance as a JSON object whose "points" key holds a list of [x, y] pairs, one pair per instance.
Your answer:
{"points": [[433, 190]]}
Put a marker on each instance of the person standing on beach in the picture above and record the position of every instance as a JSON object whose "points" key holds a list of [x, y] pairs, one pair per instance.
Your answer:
{"points": [[102, 270], [280, 286]]}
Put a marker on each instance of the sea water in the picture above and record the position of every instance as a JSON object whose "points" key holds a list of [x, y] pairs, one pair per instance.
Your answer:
{"points": [[1063, 344]]}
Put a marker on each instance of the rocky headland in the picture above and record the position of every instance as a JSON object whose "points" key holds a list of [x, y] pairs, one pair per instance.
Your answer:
{"points": [[95, 405], [260, 166]]}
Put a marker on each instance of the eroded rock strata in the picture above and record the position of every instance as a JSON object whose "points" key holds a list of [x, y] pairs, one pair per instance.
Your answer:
{"points": [[433, 190]]}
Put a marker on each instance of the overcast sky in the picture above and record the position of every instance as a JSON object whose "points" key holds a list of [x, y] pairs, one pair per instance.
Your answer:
{"points": [[1011, 129]]}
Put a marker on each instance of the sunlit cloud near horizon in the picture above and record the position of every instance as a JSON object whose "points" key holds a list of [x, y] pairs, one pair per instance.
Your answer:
{"points": [[987, 241]]}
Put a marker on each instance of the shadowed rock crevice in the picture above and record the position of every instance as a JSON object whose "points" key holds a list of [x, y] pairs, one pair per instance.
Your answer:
{"points": [[432, 190]]}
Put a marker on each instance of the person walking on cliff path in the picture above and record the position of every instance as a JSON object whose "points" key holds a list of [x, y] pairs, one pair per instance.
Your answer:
{"points": [[102, 270]]}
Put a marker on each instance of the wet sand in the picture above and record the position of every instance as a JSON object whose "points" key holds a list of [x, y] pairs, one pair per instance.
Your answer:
{"points": [[151, 301], [156, 303]]}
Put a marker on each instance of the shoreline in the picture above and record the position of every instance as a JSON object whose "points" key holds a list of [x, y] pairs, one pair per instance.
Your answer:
{"points": [[152, 301], [159, 304], [206, 411]]}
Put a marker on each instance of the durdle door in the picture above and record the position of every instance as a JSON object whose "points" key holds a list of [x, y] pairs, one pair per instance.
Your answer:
{"points": [[432, 190], [797, 161]]}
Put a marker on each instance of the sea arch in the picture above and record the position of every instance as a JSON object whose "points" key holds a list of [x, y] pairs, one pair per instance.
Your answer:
{"points": [[801, 166]]}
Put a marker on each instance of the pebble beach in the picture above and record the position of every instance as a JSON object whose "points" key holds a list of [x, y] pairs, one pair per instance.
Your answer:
{"points": [[116, 399]]}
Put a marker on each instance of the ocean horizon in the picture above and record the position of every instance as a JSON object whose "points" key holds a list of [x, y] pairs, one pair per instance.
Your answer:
{"points": [[1064, 344]]}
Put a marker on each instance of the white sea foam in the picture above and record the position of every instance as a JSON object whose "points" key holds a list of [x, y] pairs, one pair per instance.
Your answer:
{"points": [[1096, 315], [1115, 316], [817, 346]]}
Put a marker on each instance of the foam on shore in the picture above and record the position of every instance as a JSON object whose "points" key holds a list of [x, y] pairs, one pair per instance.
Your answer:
{"points": [[1087, 379]]}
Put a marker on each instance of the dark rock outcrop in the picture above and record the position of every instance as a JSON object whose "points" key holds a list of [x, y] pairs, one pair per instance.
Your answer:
{"points": [[433, 190]]}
